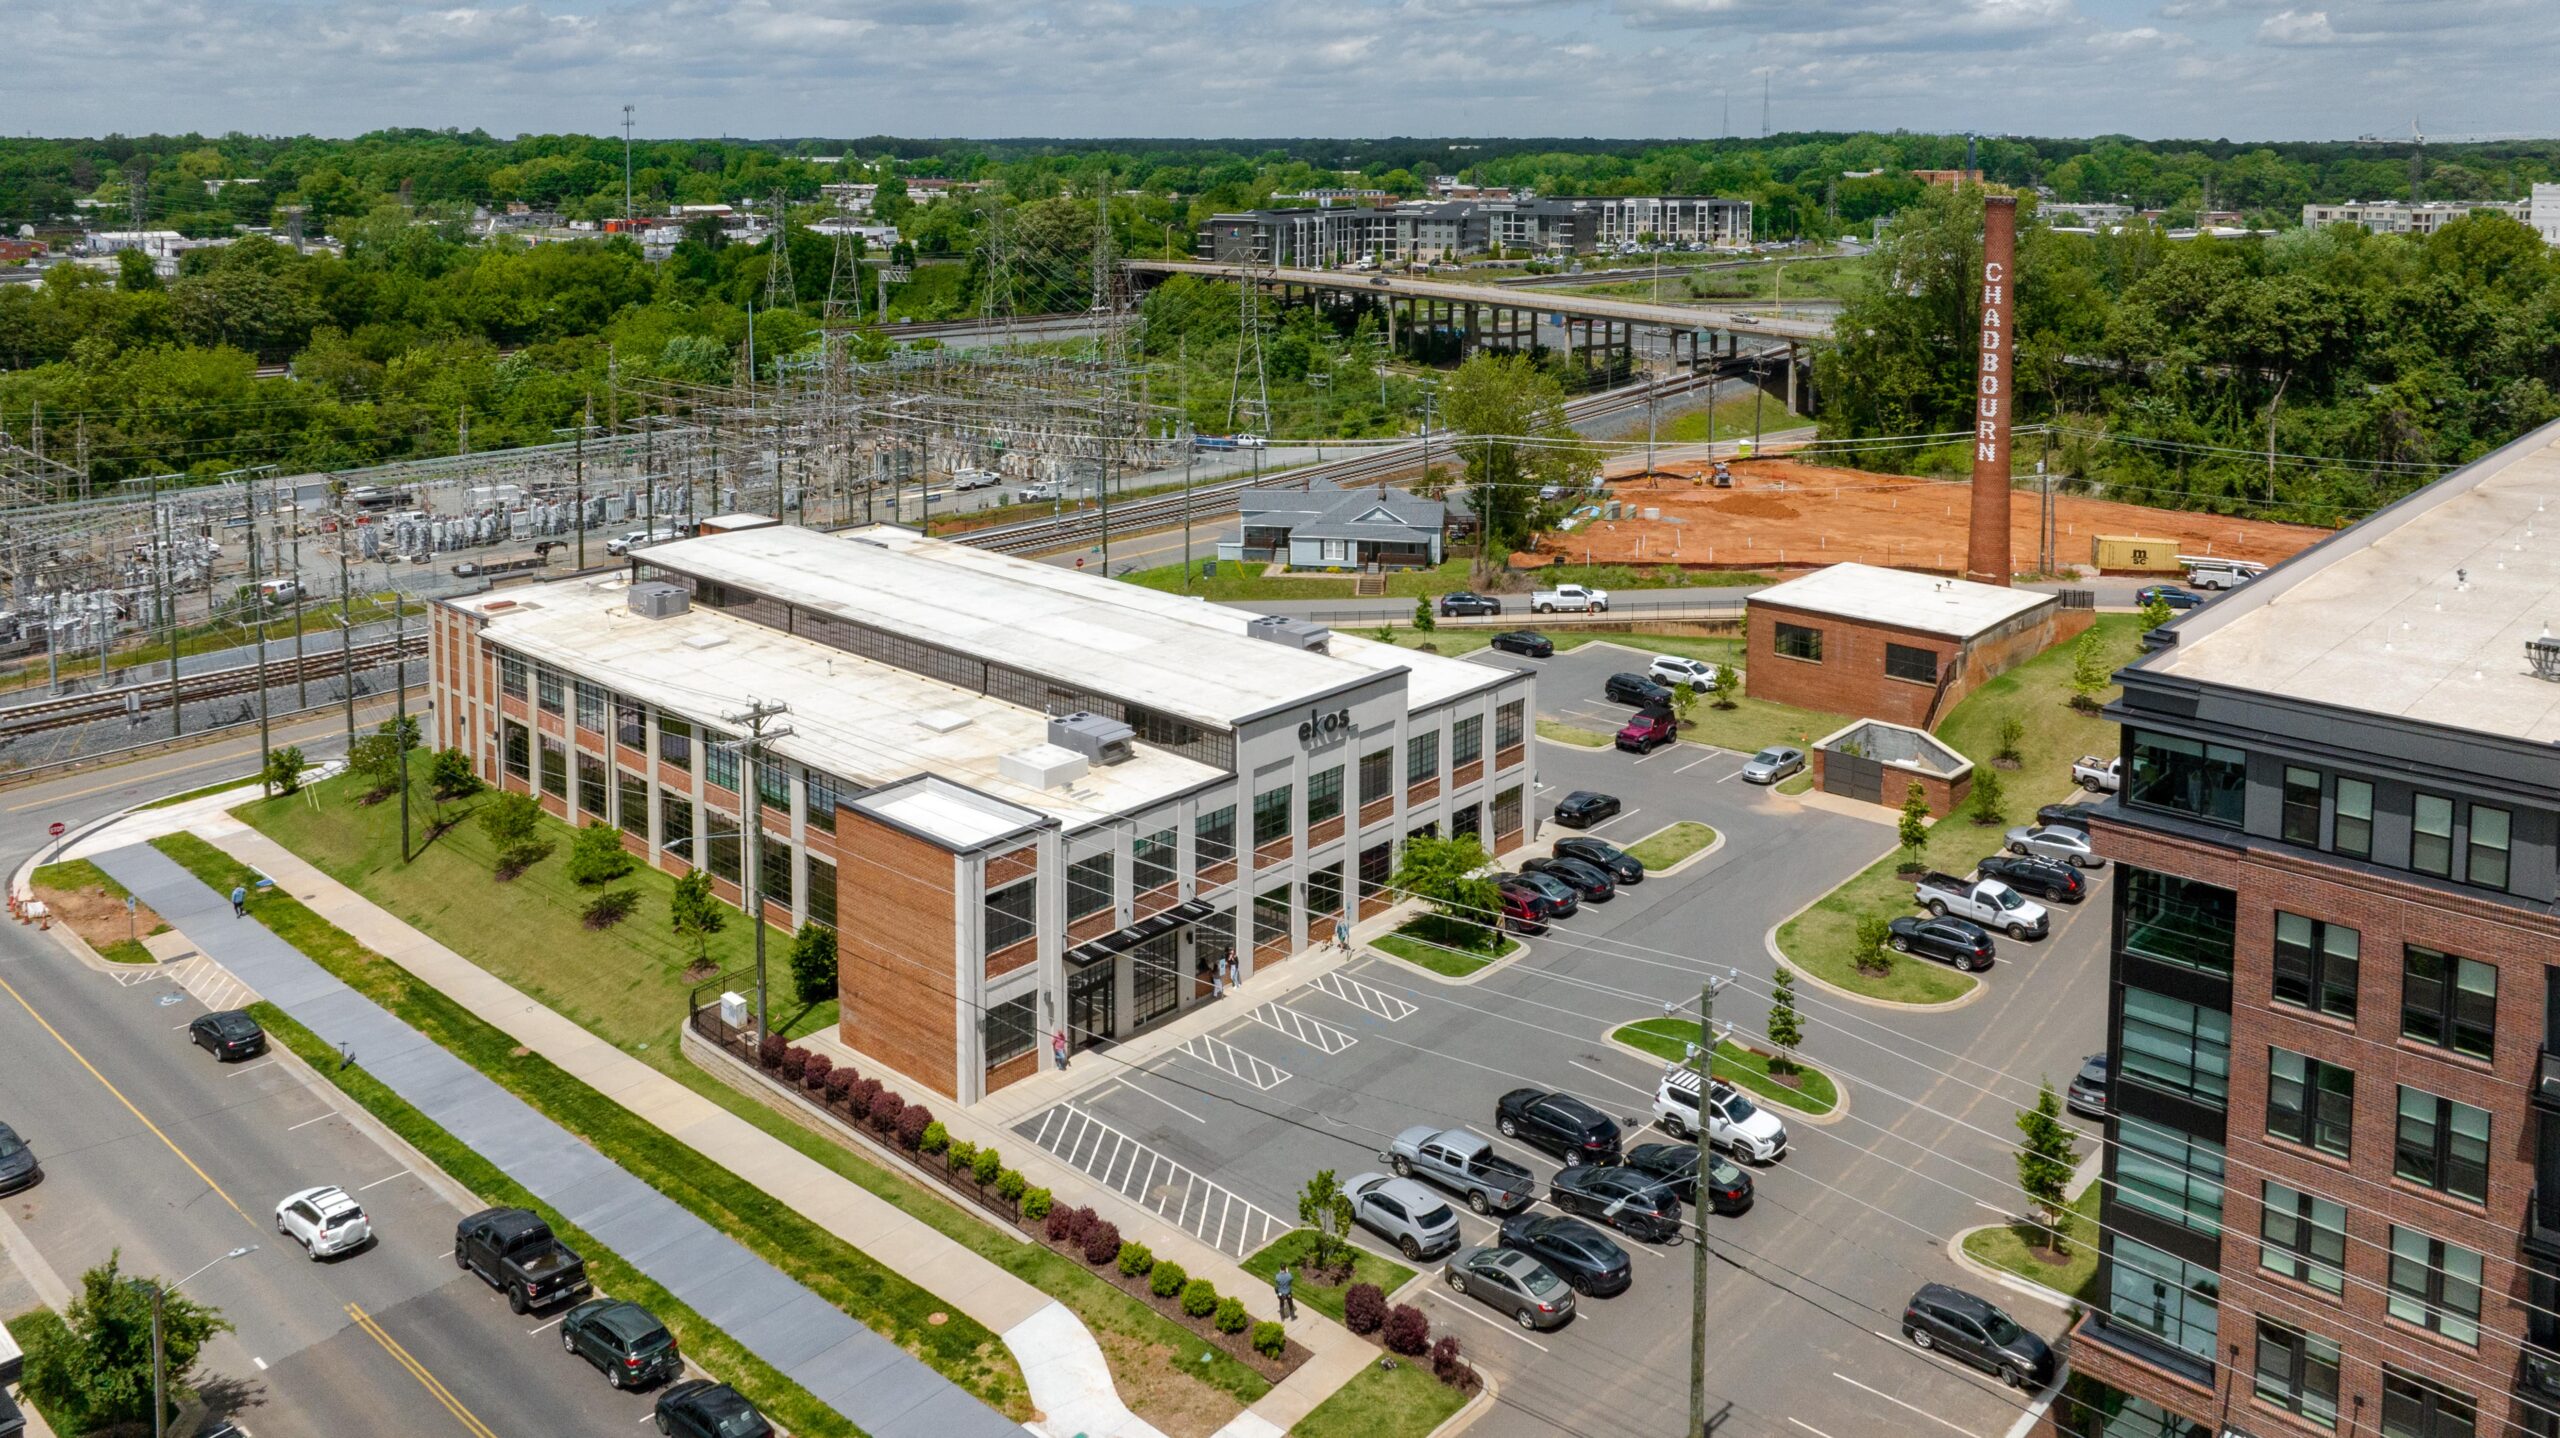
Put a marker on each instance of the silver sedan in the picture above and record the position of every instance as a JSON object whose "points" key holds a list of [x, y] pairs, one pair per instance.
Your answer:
{"points": [[1513, 1283], [2060, 843], [1772, 764]]}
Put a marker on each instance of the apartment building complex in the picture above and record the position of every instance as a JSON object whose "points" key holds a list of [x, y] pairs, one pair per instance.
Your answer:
{"points": [[1027, 799], [1339, 234], [2333, 1168], [2399, 217]]}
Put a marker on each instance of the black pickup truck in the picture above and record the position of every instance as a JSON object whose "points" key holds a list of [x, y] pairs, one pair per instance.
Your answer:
{"points": [[513, 1251]]}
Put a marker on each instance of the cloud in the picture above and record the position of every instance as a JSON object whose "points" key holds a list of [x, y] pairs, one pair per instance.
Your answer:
{"points": [[2297, 27]]}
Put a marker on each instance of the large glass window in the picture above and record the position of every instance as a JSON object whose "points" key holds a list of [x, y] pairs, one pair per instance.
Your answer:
{"points": [[1271, 815], [1089, 884], [2302, 806], [1422, 756], [2316, 965], [2303, 1237], [1008, 1029], [2177, 1046], [720, 766], [2449, 1002], [675, 741], [2188, 776], [1270, 916], [1324, 890], [2177, 1302], [2442, 1144], [555, 768], [1797, 641], [2488, 856], [1506, 810], [633, 810], [1377, 775], [2298, 1373], [1377, 865], [2431, 834], [1509, 724], [825, 793], [516, 742], [1153, 861], [2415, 1407], [592, 706], [2435, 1285], [1213, 836], [630, 724], [1324, 795], [2179, 921], [2175, 1175], [1466, 740], [2353, 835], [2309, 1102], [822, 892], [773, 869], [675, 826], [1012, 914], [511, 674], [723, 841], [773, 785], [590, 788], [1904, 661], [546, 683]]}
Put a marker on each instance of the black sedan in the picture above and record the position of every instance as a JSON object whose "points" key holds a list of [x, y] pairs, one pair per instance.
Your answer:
{"points": [[1583, 808], [1528, 642], [1960, 942], [1578, 1253], [230, 1034], [1617, 863], [1567, 901], [698, 1408], [1464, 602], [2169, 594], [2043, 878], [1586, 879], [1676, 1164], [2071, 816], [1637, 690], [18, 1166], [1633, 1202]]}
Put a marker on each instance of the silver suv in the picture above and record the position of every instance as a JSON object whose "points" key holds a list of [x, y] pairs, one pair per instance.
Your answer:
{"points": [[1404, 1213]]}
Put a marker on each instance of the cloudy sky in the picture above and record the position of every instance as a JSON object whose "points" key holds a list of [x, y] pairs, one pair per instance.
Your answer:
{"points": [[2266, 69]]}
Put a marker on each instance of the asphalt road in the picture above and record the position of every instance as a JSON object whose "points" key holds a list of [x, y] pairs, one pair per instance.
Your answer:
{"points": [[1807, 1288]]}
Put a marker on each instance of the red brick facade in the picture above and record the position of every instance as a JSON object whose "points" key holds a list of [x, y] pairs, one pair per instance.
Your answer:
{"points": [[1850, 676]]}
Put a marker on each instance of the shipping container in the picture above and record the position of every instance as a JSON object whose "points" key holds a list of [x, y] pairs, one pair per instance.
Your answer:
{"points": [[2134, 554]]}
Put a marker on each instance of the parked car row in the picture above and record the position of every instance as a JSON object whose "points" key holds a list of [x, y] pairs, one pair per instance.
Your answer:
{"points": [[1556, 886]]}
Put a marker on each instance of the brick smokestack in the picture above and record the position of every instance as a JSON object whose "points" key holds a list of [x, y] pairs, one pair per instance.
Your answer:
{"points": [[1987, 548]]}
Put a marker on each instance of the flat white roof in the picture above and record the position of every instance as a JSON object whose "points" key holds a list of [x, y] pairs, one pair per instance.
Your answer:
{"points": [[865, 721], [956, 816], [2422, 611], [1956, 608]]}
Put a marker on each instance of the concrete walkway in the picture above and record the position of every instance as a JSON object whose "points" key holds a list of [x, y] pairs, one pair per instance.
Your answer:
{"points": [[1061, 1362]]}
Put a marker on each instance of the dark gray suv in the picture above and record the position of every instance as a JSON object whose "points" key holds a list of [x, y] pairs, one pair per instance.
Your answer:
{"points": [[1974, 1330]]}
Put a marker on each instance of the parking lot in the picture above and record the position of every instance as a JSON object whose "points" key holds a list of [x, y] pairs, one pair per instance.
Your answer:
{"points": [[1807, 1288]]}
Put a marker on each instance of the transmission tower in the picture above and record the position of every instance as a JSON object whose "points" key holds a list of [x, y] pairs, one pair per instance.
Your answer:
{"points": [[779, 291], [1249, 400], [995, 292], [844, 278]]}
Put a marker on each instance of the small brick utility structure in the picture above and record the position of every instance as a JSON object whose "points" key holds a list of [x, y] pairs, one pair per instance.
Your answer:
{"points": [[1879, 762], [1891, 644]]}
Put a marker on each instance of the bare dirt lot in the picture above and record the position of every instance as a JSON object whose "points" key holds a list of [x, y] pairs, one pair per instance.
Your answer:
{"points": [[1786, 515]]}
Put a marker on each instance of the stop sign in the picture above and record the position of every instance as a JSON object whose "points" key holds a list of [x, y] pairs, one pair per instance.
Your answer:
{"points": [[56, 830]]}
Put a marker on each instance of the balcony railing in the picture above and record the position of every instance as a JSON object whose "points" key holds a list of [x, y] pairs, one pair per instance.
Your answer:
{"points": [[2542, 1223], [2538, 1391], [2546, 1079]]}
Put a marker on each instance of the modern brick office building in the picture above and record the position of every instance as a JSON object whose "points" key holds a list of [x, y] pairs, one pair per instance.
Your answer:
{"points": [[2334, 1138], [1026, 798]]}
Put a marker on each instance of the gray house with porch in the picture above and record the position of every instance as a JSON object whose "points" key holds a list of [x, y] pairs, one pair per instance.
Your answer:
{"points": [[1339, 529]]}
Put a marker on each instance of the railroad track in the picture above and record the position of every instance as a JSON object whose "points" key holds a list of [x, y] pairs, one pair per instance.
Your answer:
{"points": [[71, 709]]}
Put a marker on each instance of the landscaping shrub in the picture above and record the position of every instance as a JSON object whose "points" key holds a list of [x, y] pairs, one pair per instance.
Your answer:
{"points": [[1036, 1204], [1364, 1308], [1407, 1331], [865, 1094], [609, 908], [815, 1072], [1270, 1339], [934, 1139], [1101, 1242], [1231, 1315], [839, 1084], [1199, 1298], [986, 1165], [887, 1112], [769, 1051], [1136, 1259], [1444, 1357], [596, 855], [1010, 1185], [1066, 1225], [795, 1062], [1166, 1279], [912, 1125], [963, 1155]]}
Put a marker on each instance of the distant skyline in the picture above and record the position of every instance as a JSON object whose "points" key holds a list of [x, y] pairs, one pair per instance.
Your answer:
{"points": [[2192, 69]]}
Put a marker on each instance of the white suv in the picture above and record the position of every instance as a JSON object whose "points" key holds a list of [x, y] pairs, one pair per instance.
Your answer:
{"points": [[325, 1221], [1734, 1122], [1675, 671]]}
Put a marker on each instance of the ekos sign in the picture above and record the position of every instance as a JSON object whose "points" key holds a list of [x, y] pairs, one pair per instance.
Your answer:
{"points": [[1325, 727]]}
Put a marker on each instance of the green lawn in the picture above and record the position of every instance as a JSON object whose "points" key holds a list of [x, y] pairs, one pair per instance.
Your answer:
{"points": [[1669, 1040], [1822, 939], [626, 986], [1325, 1298], [2019, 1247], [960, 1348], [776, 1395], [34, 1327], [75, 874], [216, 788], [1798, 784], [1440, 958], [1670, 844], [1729, 419], [1574, 734], [1400, 1402], [1752, 725]]}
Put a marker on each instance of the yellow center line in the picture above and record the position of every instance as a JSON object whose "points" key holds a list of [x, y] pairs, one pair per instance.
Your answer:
{"points": [[128, 1103], [470, 1422]]}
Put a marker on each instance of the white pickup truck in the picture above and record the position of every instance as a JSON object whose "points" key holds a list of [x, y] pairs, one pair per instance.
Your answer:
{"points": [[2098, 776], [1987, 902], [1570, 599]]}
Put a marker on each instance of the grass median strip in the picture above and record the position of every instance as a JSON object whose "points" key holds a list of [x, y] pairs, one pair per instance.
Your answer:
{"points": [[960, 1348], [1574, 734], [1325, 1298], [1670, 844], [1813, 1091], [780, 1398], [1441, 959], [2018, 1247], [1400, 1402]]}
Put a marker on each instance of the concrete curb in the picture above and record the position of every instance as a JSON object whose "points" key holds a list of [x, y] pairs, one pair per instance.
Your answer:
{"points": [[1519, 951], [1769, 941], [1699, 857], [1838, 1112], [2051, 1297]]}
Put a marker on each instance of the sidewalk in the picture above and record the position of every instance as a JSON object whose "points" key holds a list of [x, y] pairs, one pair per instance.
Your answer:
{"points": [[1061, 1362]]}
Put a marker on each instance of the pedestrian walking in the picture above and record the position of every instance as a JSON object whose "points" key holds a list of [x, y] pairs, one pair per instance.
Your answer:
{"points": [[1282, 1283], [1217, 981], [1235, 975], [239, 902], [1342, 933], [1058, 1046]]}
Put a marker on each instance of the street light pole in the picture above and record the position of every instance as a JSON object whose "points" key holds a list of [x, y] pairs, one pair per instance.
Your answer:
{"points": [[1701, 1061], [159, 1358]]}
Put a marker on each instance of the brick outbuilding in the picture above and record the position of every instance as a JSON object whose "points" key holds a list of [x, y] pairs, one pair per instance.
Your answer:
{"points": [[1892, 644]]}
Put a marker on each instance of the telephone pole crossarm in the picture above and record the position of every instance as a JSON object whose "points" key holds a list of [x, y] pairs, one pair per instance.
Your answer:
{"points": [[758, 720]]}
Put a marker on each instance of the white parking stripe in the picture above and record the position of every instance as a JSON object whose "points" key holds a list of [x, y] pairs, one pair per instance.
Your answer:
{"points": [[1315, 1033], [1701, 759], [1809, 1428], [1466, 1306], [386, 1178], [1898, 1403], [1168, 1103], [1234, 1062], [1377, 1001], [1208, 1210]]}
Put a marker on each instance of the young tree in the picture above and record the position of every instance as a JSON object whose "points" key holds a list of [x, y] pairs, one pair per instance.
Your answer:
{"points": [[813, 963], [450, 772], [1726, 684], [2046, 1161], [2088, 671], [1326, 1211], [510, 820], [1786, 1027], [694, 914], [1423, 619], [2155, 614], [2013, 732], [375, 761], [1913, 828], [1443, 873], [407, 735], [1871, 955], [284, 766], [596, 855], [1990, 802], [1684, 703], [95, 1372]]}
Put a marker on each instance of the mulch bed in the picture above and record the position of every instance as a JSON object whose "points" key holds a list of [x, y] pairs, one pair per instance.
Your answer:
{"points": [[1238, 1346]]}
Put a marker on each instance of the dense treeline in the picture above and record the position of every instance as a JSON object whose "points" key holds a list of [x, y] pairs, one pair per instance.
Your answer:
{"points": [[2388, 357]]}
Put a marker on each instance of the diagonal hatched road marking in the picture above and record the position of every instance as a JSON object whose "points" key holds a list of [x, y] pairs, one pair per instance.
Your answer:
{"points": [[1315, 1033], [1362, 996], [1199, 1205], [1234, 1062]]}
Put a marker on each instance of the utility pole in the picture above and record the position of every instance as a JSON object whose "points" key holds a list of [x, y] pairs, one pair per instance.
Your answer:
{"points": [[258, 600], [626, 166], [1701, 1062], [400, 707], [169, 614], [756, 717], [584, 424], [346, 631]]}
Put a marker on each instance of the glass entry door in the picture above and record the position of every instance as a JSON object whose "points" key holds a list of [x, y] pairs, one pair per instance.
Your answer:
{"points": [[1092, 1013]]}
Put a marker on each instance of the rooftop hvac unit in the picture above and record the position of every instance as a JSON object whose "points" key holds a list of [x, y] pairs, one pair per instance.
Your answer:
{"points": [[657, 599], [1296, 633], [1042, 766], [1097, 737]]}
